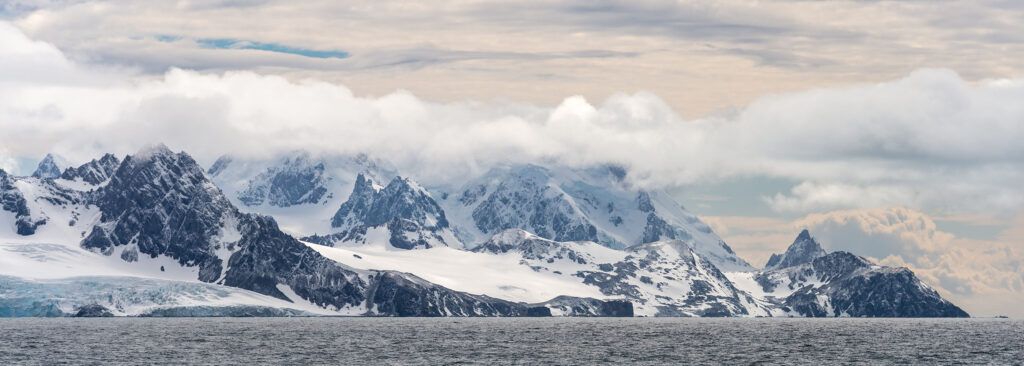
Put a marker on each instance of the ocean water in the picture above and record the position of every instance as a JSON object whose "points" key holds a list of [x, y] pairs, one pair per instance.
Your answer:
{"points": [[522, 341]]}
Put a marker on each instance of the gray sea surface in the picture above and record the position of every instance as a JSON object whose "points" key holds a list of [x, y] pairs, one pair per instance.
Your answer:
{"points": [[500, 341]]}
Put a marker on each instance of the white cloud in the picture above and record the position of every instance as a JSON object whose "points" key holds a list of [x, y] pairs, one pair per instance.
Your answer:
{"points": [[810, 196], [700, 56], [931, 140]]}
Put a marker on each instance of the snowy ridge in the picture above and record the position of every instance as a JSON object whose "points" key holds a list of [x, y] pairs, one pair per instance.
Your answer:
{"points": [[156, 224], [300, 190], [402, 213], [665, 278], [160, 218], [94, 172], [564, 204], [843, 284]]}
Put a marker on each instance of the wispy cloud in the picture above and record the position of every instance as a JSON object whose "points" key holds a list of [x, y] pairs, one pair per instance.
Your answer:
{"points": [[699, 56]]}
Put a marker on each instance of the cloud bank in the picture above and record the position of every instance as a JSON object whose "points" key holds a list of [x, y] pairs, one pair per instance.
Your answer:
{"points": [[929, 140]]}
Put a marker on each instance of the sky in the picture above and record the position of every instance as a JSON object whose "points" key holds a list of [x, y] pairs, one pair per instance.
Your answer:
{"points": [[890, 129]]}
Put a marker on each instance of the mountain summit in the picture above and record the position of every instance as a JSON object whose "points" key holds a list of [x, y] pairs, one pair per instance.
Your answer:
{"points": [[153, 234], [403, 212], [48, 168], [808, 282], [803, 250]]}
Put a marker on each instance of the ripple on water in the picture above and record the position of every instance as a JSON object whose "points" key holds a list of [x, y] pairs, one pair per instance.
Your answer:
{"points": [[491, 341]]}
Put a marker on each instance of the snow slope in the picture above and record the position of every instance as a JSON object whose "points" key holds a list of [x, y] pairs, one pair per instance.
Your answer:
{"points": [[660, 279], [500, 276]]}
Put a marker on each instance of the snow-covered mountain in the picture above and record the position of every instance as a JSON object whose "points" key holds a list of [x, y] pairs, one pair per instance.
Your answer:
{"points": [[300, 190], [401, 213], [160, 236], [558, 203], [663, 278], [562, 204], [159, 217], [49, 167], [807, 281], [297, 180]]}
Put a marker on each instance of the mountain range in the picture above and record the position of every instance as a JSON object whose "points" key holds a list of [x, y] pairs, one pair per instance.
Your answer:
{"points": [[156, 234]]}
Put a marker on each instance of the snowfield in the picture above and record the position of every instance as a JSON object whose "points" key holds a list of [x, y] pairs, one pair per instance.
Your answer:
{"points": [[500, 276]]}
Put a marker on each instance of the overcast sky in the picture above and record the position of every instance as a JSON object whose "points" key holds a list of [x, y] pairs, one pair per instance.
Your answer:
{"points": [[891, 129]]}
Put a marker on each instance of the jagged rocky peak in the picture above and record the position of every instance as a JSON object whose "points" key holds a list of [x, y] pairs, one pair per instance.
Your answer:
{"points": [[808, 282], [351, 213], [803, 250], [48, 168], [95, 171], [157, 203], [402, 198], [297, 179], [403, 209]]}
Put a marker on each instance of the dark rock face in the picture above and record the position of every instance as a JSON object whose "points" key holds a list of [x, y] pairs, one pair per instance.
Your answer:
{"points": [[47, 168], [657, 229], [412, 218], [95, 171], [297, 180], [868, 292], [803, 250], [397, 294], [525, 201], [162, 202], [575, 306], [12, 200], [93, 311], [268, 257], [358, 205], [643, 202]]}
